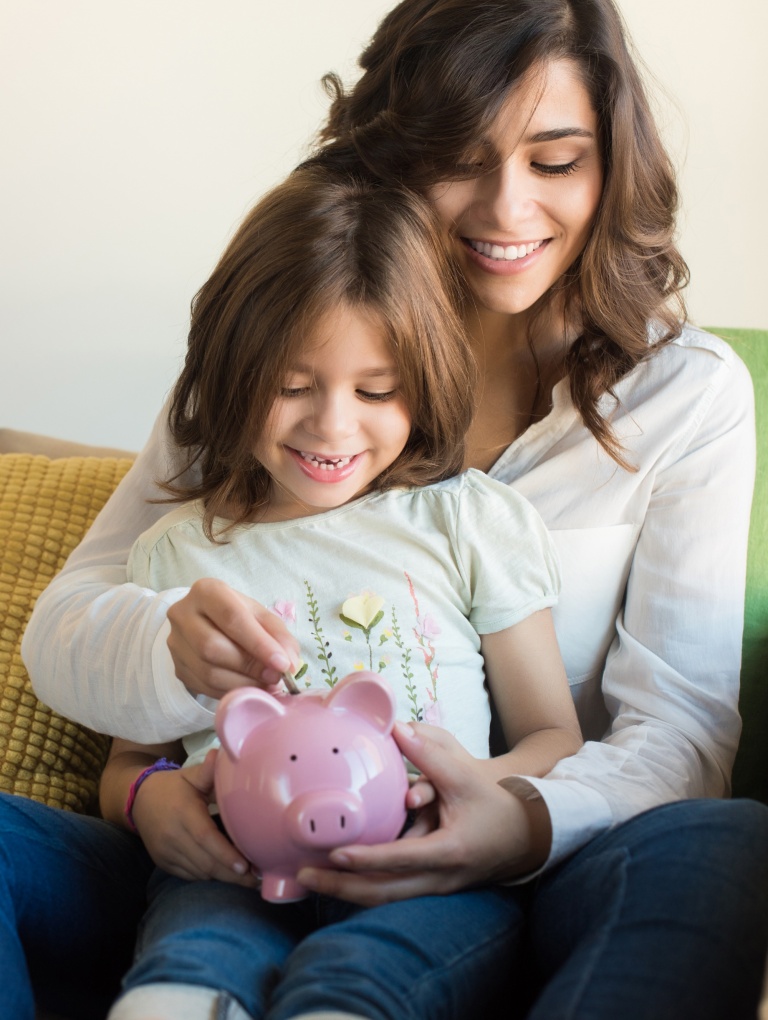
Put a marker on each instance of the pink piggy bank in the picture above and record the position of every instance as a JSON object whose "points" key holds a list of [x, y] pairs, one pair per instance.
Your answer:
{"points": [[300, 775]]}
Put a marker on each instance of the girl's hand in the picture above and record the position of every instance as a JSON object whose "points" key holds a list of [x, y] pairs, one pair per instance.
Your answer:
{"points": [[483, 834], [221, 639], [171, 813]]}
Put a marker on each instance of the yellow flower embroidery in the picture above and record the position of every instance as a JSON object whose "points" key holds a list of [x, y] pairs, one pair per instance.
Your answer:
{"points": [[362, 609]]}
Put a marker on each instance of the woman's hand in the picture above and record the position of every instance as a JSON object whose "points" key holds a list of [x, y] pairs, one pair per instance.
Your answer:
{"points": [[171, 814], [221, 639], [483, 834]]}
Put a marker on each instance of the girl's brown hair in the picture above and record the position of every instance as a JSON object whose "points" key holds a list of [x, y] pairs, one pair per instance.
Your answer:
{"points": [[321, 238], [434, 77]]}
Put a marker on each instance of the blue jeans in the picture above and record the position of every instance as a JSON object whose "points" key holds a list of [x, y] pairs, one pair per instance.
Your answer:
{"points": [[436, 956], [72, 890], [663, 918]]}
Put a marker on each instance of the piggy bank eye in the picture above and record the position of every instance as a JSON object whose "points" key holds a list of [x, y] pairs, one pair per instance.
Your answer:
{"points": [[294, 757], [335, 750]]}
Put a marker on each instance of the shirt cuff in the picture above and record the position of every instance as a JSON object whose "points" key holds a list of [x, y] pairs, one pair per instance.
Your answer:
{"points": [[577, 813], [179, 707]]}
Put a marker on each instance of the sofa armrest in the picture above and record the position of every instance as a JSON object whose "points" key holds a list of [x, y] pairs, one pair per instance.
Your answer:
{"points": [[13, 441]]}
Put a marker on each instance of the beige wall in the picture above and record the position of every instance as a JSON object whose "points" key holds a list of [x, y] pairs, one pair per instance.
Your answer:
{"points": [[135, 134]]}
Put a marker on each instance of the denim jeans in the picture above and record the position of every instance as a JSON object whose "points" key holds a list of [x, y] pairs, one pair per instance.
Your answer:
{"points": [[438, 957], [662, 918], [72, 890]]}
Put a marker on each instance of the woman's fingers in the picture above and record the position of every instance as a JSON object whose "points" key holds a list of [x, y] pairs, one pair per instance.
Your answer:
{"points": [[373, 889], [484, 833]]}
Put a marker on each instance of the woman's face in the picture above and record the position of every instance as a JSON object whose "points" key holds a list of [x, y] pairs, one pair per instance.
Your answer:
{"points": [[518, 228]]}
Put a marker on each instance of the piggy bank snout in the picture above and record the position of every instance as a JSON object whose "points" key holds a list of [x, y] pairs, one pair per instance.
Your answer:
{"points": [[325, 819]]}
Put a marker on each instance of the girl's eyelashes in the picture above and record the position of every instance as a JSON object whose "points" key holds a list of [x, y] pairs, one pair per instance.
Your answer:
{"points": [[556, 169], [301, 391], [366, 395]]}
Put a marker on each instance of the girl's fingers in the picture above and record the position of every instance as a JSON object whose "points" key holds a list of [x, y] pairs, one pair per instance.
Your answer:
{"points": [[420, 794], [220, 640]]}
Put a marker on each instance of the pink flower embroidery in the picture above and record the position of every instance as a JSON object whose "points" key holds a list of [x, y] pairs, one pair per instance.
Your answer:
{"points": [[432, 713], [285, 610], [429, 627]]}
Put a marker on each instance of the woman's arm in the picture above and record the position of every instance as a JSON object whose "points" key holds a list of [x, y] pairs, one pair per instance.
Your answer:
{"points": [[527, 680], [170, 812], [671, 678], [96, 646], [92, 639]]}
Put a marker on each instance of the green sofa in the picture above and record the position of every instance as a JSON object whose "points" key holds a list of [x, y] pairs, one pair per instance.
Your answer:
{"points": [[750, 776]]}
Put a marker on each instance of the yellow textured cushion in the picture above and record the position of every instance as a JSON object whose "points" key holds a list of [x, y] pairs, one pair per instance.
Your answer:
{"points": [[46, 506]]}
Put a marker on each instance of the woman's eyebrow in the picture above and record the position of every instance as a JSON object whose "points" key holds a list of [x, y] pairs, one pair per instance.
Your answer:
{"points": [[555, 134]]}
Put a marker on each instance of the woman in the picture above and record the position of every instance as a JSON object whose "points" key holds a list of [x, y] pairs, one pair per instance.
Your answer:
{"points": [[526, 124]]}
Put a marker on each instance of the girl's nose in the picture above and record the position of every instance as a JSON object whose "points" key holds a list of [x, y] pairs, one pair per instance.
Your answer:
{"points": [[333, 417]]}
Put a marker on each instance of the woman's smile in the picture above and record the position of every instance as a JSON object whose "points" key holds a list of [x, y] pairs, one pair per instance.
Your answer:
{"points": [[502, 251], [522, 224], [504, 259]]}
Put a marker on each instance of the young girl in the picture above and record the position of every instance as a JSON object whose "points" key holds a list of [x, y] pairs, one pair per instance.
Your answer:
{"points": [[324, 396]]}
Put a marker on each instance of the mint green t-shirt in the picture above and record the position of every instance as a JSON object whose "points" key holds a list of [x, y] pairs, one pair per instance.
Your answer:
{"points": [[401, 583]]}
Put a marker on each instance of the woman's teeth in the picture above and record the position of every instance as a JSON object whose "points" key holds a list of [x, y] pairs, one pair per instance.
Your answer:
{"points": [[506, 253], [325, 463]]}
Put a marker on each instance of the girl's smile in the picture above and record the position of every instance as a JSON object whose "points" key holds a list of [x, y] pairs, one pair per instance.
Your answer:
{"points": [[325, 468], [340, 420]]}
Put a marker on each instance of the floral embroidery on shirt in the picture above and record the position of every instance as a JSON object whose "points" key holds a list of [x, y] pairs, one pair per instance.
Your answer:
{"points": [[425, 631], [405, 667], [364, 612], [285, 610], [324, 652]]}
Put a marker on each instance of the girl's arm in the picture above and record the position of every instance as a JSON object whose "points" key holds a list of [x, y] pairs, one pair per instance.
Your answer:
{"points": [[529, 686], [170, 812], [96, 647]]}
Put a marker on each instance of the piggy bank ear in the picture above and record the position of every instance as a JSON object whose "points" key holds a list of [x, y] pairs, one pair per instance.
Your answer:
{"points": [[367, 695], [240, 712]]}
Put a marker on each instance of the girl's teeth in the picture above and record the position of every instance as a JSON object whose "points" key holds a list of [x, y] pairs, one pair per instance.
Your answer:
{"points": [[325, 463], [502, 253]]}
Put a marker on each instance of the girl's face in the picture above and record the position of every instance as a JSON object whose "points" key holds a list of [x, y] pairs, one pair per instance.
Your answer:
{"points": [[518, 228], [339, 421]]}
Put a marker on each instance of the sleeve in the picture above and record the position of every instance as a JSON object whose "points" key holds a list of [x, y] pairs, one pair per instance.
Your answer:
{"points": [[508, 558], [671, 679], [95, 646]]}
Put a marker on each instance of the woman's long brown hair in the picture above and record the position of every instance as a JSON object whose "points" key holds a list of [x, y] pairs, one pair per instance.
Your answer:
{"points": [[434, 77], [321, 238]]}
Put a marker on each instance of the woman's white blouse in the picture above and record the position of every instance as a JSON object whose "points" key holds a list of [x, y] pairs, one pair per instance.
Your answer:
{"points": [[650, 617]]}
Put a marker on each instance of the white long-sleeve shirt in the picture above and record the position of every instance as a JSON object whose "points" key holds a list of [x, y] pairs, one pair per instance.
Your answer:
{"points": [[650, 616]]}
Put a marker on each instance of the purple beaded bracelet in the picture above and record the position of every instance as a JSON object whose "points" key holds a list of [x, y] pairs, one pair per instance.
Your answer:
{"points": [[161, 765]]}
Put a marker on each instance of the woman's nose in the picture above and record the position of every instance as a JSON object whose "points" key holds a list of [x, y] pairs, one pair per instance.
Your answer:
{"points": [[505, 196], [333, 417]]}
